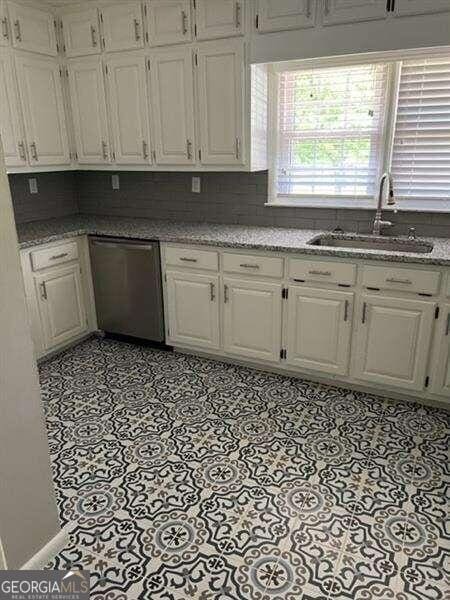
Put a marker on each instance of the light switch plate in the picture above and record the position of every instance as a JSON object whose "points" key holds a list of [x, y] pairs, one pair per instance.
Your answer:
{"points": [[32, 182], [115, 182], [196, 185]]}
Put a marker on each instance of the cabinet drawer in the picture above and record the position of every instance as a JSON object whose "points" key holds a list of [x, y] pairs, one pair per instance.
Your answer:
{"points": [[266, 266], [405, 280], [325, 271], [195, 259], [56, 255]]}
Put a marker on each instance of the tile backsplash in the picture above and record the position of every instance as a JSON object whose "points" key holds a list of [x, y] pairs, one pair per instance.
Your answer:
{"points": [[224, 198]]}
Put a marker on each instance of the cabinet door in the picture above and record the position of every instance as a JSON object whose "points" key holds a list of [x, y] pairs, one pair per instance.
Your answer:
{"points": [[11, 125], [319, 326], [61, 305], [81, 32], [220, 96], [127, 85], [33, 29], [122, 26], [440, 378], [87, 97], [43, 110], [219, 18], [173, 106], [393, 341], [280, 15], [350, 11], [193, 309], [5, 35], [252, 319], [420, 7], [169, 22]]}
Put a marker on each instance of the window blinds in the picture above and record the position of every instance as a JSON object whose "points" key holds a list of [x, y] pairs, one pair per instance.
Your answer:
{"points": [[421, 150], [330, 130]]}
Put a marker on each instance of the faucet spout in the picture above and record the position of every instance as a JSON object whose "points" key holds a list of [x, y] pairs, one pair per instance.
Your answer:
{"points": [[378, 223]]}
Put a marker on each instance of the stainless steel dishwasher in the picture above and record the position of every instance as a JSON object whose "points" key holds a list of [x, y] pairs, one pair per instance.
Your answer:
{"points": [[127, 286]]}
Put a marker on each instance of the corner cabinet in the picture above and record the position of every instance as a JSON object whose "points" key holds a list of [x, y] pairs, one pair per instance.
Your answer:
{"points": [[393, 341], [41, 94], [58, 286], [220, 83]]}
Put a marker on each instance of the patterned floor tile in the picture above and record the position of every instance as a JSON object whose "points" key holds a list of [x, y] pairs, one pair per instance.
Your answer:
{"points": [[185, 478]]}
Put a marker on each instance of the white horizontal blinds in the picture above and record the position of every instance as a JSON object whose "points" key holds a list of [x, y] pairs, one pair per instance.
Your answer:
{"points": [[421, 151], [330, 130]]}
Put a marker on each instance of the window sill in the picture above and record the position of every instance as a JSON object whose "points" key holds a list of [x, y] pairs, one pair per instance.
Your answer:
{"points": [[436, 206]]}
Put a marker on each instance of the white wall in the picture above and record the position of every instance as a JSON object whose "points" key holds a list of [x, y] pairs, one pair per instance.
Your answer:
{"points": [[28, 514]]}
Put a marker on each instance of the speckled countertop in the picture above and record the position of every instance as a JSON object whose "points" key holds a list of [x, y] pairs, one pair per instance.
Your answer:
{"points": [[230, 236]]}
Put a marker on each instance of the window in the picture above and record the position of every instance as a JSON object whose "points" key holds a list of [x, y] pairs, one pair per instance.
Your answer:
{"points": [[339, 127]]}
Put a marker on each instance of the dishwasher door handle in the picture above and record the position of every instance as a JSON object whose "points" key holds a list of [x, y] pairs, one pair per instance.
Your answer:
{"points": [[124, 246]]}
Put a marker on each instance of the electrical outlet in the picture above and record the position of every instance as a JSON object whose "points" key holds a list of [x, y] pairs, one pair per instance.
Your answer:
{"points": [[33, 185], [115, 182], [196, 185]]}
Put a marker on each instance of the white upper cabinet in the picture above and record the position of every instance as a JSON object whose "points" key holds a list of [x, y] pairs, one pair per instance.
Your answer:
{"points": [[5, 34], [42, 102], [280, 15], [87, 96], [219, 18], [440, 378], [33, 29], [420, 7], [318, 329], [393, 341], [220, 82], [173, 106], [252, 319], [127, 87], [122, 26], [11, 126], [350, 11], [168, 22], [81, 32], [193, 309]]}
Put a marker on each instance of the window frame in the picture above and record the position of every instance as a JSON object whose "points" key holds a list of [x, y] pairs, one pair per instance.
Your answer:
{"points": [[393, 59]]}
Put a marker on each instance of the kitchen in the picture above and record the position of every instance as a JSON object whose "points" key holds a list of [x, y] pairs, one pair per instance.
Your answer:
{"points": [[262, 187]]}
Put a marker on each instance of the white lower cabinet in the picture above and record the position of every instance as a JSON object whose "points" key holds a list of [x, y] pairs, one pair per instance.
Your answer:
{"points": [[440, 377], [318, 329], [193, 309], [252, 319], [61, 304], [393, 341]]}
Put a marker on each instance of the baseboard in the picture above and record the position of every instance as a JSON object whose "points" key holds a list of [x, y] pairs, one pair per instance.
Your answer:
{"points": [[49, 551]]}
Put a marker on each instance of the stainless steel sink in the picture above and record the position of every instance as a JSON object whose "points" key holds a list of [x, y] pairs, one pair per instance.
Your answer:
{"points": [[369, 242]]}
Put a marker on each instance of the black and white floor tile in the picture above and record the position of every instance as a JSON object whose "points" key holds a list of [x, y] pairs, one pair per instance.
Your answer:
{"points": [[184, 478]]}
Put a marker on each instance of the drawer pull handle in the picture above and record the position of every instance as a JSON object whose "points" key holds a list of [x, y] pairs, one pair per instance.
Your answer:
{"points": [[43, 290], [249, 266], [447, 328], [364, 312], [346, 310], [225, 294], [395, 280], [324, 273], [186, 259], [212, 292], [57, 256]]}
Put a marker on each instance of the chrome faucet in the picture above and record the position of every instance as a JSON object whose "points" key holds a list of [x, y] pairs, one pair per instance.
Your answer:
{"points": [[378, 223]]}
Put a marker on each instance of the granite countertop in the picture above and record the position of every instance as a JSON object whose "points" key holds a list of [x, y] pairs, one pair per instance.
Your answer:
{"points": [[230, 236]]}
